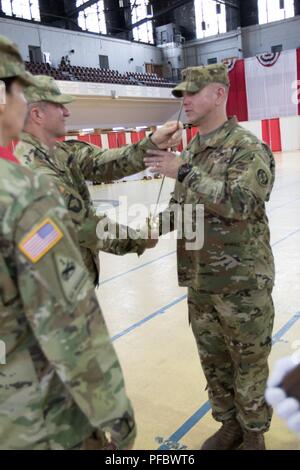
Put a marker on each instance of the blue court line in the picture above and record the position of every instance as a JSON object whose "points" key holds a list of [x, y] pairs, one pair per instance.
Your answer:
{"points": [[198, 415], [285, 186], [140, 266], [136, 268], [285, 238], [277, 337], [160, 311], [174, 302], [283, 205]]}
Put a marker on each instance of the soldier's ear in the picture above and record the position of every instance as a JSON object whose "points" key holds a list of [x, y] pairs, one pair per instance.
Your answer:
{"points": [[221, 94], [35, 112]]}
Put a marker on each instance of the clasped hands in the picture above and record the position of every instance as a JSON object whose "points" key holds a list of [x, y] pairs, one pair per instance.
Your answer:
{"points": [[161, 160]]}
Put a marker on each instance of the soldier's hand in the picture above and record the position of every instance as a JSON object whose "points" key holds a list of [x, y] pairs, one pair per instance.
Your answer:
{"points": [[151, 243], [286, 406], [122, 432], [149, 231], [166, 163], [169, 135]]}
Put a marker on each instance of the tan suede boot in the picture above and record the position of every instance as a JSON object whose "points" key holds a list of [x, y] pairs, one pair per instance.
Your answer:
{"points": [[229, 436], [253, 440]]}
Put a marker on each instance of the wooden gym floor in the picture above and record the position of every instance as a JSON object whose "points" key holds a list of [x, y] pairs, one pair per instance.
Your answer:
{"points": [[146, 314]]}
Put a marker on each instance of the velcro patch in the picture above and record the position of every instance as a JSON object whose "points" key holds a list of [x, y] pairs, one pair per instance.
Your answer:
{"points": [[262, 177], [40, 240]]}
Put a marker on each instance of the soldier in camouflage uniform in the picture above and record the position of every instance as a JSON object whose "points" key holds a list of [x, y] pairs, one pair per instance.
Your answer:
{"points": [[228, 170], [62, 382], [69, 164]]}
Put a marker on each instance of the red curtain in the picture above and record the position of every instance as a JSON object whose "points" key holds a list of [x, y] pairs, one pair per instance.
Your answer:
{"points": [[137, 136], [142, 135], [237, 99], [271, 134], [265, 131], [112, 140], [96, 139], [85, 138], [275, 135], [121, 139]]}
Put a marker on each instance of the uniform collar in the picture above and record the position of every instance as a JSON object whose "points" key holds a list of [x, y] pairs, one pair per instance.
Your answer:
{"points": [[44, 152], [35, 142], [217, 137]]}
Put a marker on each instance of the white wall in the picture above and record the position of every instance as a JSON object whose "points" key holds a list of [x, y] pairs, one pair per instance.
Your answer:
{"points": [[87, 46], [173, 58], [132, 106], [222, 47], [290, 133], [260, 38], [244, 42]]}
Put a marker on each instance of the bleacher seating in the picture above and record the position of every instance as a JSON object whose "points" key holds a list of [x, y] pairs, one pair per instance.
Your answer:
{"points": [[97, 75]]}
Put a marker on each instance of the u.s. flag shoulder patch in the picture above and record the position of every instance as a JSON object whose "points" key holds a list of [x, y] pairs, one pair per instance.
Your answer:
{"points": [[40, 240]]}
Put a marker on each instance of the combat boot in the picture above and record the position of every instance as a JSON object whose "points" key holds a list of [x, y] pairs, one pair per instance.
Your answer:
{"points": [[253, 440], [229, 436]]}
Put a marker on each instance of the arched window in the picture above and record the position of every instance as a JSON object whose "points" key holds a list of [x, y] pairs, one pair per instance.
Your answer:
{"points": [[210, 18], [274, 10], [139, 11], [27, 9], [92, 18]]}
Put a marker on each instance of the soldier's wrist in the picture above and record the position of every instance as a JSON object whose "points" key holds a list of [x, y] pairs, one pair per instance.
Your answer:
{"points": [[123, 432], [153, 144]]}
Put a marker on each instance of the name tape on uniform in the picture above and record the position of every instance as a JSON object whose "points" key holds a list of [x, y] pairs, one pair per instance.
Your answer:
{"points": [[40, 240]]}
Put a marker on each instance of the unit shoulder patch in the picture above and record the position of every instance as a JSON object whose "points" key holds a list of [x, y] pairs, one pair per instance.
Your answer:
{"points": [[262, 177], [40, 240], [72, 275]]}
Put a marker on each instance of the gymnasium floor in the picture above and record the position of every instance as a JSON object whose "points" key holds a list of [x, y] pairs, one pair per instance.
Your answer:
{"points": [[146, 314]]}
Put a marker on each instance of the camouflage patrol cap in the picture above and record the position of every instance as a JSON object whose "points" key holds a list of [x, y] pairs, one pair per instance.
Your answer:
{"points": [[196, 78], [11, 62], [45, 89]]}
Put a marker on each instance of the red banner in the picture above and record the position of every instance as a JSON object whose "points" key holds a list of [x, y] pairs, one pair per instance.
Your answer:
{"points": [[112, 140], [237, 99], [96, 139], [271, 134]]}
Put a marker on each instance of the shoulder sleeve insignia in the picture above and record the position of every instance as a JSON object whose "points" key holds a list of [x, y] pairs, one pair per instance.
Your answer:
{"points": [[40, 240], [262, 177]]}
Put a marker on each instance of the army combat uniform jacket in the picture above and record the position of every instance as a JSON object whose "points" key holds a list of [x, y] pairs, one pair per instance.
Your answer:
{"points": [[69, 165], [232, 174], [62, 379]]}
